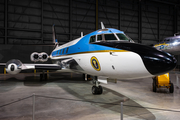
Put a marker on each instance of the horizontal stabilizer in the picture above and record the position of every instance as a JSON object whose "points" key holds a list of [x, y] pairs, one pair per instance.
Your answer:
{"points": [[2, 64]]}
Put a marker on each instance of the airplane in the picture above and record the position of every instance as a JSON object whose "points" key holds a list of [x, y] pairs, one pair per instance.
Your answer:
{"points": [[170, 45], [104, 54]]}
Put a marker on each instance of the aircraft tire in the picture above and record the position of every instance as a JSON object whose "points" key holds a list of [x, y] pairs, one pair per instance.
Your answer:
{"points": [[154, 87], [94, 90], [100, 89], [97, 90], [171, 89]]}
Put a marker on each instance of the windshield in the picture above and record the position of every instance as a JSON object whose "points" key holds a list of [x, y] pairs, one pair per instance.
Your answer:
{"points": [[109, 37], [166, 39], [99, 37], [122, 36], [92, 39], [171, 39]]}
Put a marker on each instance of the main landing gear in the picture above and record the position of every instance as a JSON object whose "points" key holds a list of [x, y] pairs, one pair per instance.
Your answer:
{"points": [[43, 76], [96, 88]]}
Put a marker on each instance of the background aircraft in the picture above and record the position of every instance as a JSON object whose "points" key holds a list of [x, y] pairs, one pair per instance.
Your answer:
{"points": [[105, 53], [170, 45]]}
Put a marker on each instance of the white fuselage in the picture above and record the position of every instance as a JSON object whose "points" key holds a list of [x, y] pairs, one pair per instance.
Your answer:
{"points": [[118, 65]]}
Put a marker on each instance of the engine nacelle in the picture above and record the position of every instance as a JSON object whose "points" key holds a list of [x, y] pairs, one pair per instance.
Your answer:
{"points": [[43, 57], [36, 57], [13, 66]]}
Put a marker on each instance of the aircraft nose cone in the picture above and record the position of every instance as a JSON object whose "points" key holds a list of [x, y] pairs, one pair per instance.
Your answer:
{"points": [[158, 62]]}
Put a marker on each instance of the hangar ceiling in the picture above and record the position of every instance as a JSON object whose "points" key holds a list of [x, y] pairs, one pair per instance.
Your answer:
{"points": [[30, 21]]}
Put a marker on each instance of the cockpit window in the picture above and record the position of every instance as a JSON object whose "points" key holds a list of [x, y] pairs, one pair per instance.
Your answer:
{"points": [[92, 39], [122, 36], [99, 37], [174, 39], [109, 37], [166, 39]]}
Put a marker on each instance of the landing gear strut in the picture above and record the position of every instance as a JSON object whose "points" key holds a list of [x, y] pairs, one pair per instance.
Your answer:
{"points": [[96, 89], [43, 76]]}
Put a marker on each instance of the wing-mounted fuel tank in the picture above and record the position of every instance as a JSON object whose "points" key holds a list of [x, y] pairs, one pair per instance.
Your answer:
{"points": [[14, 66], [39, 57]]}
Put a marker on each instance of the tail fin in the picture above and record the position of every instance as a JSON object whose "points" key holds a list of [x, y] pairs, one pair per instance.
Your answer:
{"points": [[55, 41]]}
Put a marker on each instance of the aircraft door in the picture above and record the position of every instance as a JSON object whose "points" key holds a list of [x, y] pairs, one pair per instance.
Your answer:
{"points": [[113, 57]]}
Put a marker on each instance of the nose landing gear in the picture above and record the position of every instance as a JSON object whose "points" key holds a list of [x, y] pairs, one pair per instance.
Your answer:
{"points": [[96, 89]]}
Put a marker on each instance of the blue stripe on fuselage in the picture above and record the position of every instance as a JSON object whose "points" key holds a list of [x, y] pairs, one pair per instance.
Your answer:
{"points": [[84, 46]]}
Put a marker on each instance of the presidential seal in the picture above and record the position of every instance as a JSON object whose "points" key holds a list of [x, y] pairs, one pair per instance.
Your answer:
{"points": [[95, 63]]}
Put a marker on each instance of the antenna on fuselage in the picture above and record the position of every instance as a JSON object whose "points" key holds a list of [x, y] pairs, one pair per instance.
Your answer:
{"points": [[102, 25], [175, 34], [55, 41], [82, 34]]}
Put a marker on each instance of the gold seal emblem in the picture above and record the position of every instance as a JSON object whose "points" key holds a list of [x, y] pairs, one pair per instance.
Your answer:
{"points": [[95, 63]]}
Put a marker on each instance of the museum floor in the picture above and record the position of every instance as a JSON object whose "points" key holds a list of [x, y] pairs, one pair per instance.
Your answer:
{"points": [[67, 97]]}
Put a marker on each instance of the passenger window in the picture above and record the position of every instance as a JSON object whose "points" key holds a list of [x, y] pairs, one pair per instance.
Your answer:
{"points": [[109, 37], [99, 37], [63, 51], [92, 39], [59, 52], [67, 50]]}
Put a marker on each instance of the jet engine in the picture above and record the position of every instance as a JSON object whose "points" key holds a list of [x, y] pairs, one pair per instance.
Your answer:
{"points": [[43, 57], [36, 57], [13, 66]]}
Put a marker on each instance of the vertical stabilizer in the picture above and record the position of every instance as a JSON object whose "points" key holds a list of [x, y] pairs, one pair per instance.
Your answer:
{"points": [[55, 41], [102, 25]]}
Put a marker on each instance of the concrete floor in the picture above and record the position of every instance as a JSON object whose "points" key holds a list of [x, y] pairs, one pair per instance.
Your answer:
{"points": [[79, 104]]}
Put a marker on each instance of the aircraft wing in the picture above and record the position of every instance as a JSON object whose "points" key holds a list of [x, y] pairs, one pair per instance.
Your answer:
{"points": [[2, 64], [68, 63], [41, 66], [36, 66], [14, 66]]}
